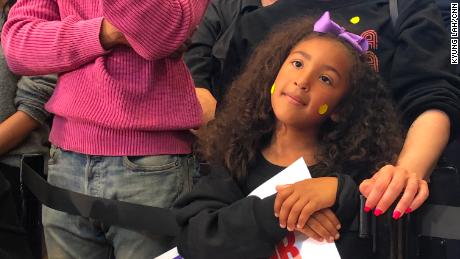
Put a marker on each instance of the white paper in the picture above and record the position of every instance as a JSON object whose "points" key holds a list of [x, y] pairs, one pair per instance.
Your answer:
{"points": [[295, 245], [171, 254], [297, 171]]}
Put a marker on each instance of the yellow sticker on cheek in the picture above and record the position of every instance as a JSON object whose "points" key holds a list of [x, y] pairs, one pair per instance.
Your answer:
{"points": [[323, 109], [355, 20], [273, 88]]}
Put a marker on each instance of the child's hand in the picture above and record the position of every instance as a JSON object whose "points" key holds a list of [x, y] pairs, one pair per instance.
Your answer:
{"points": [[295, 203], [322, 225]]}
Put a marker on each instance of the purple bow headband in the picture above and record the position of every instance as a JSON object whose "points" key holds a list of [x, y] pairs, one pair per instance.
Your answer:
{"points": [[326, 25]]}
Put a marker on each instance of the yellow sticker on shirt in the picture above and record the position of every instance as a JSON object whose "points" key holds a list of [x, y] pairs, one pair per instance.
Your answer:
{"points": [[355, 20]]}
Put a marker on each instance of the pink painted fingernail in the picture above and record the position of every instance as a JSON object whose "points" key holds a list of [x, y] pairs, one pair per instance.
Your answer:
{"points": [[276, 214], [377, 212], [409, 210], [396, 214], [282, 226], [367, 209]]}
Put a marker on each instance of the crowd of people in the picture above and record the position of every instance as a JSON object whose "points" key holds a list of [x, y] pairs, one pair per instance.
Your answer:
{"points": [[124, 99]]}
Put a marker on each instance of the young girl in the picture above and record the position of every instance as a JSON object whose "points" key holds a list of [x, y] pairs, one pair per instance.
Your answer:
{"points": [[122, 109], [305, 93]]}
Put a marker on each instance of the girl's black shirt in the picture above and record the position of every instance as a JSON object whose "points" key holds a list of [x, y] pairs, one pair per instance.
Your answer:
{"points": [[219, 220]]}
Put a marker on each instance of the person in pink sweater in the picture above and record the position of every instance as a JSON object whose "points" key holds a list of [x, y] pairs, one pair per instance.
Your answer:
{"points": [[123, 109]]}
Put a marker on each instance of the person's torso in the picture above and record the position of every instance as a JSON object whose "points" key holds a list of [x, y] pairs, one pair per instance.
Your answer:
{"points": [[370, 19], [123, 90], [349, 245], [122, 97]]}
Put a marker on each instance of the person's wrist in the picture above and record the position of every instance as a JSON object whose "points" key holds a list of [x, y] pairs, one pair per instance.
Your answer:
{"points": [[418, 172], [333, 182]]}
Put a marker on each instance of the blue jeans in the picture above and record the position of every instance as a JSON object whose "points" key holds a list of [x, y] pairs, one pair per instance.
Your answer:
{"points": [[150, 180]]}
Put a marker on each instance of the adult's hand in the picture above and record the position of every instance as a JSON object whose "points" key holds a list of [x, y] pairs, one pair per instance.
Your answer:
{"points": [[424, 143], [387, 185], [267, 2], [208, 104]]}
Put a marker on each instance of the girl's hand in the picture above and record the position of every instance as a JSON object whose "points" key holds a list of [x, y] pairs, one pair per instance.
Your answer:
{"points": [[295, 203], [386, 186], [322, 225]]}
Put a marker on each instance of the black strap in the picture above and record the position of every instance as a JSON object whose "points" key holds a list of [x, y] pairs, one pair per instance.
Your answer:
{"points": [[394, 11], [439, 221], [146, 219]]}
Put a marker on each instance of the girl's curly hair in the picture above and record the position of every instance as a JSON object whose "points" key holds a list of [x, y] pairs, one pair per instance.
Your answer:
{"points": [[366, 135]]}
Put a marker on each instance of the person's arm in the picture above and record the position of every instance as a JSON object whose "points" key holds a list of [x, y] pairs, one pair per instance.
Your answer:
{"points": [[154, 29], [199, 55], [249, 32], [218, 221], [424, 144], [346, 205], [427, 91], [199, 58], [15, 129], [31, 95], [296, 202], [239, 49], [420, 157], [36, 41]]}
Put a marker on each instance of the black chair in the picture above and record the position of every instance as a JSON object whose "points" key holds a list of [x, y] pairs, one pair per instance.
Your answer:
{"points": [[435, 228]]}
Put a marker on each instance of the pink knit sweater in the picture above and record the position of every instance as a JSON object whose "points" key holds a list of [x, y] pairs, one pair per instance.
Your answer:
{"points": [[127, 101]]}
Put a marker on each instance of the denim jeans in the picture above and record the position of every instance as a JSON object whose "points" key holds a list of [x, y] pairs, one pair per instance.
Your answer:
{"points": [[150, 180]]}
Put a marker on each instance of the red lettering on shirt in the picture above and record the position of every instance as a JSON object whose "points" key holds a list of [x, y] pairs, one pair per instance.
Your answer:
{"points": [[373, 60], [283, 249], [372, 38]]}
